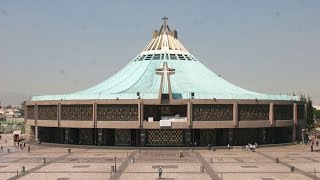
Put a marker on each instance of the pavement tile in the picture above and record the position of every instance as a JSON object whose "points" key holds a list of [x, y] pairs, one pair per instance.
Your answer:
{"points": [[96, 163]]}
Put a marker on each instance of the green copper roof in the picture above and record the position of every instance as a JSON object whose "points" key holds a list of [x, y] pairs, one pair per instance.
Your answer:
{"points": [[189, 76]]}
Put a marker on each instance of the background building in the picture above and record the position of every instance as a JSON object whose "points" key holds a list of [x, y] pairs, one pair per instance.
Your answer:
{"points": [[165, 97], [2, 113]]}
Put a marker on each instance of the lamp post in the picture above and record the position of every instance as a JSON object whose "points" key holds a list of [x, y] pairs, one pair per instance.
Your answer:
{"points": [[302, 135], [115, 163]]}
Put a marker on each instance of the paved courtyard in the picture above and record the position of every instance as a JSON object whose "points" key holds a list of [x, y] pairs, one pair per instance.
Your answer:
{"points": [[56, 163]]}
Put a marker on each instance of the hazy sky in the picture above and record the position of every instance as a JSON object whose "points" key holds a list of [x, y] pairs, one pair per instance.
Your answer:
{"points": [[58, 47]]}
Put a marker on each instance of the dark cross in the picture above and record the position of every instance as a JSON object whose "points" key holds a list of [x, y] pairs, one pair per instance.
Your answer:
{"points": [[165, 22], [165, 72]]}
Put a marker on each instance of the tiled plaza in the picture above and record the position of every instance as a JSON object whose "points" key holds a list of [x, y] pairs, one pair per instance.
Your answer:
{"points": [[56, 163]]}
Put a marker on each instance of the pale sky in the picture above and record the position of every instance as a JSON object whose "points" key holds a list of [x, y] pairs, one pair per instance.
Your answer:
{"points": [[58, 47]]}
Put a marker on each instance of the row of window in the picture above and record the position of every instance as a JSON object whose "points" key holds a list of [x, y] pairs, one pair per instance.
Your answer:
{"points": [[165, 56]]}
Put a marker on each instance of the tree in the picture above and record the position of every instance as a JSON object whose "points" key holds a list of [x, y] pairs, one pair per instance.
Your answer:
{"points": [[316, 113], [303, 98], [310, 115], [21, 108]]}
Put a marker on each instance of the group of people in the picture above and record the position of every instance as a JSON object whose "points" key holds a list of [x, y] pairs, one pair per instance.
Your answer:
{"points": [[210, 147], [252, 147], [313, 141], [21, 145]]}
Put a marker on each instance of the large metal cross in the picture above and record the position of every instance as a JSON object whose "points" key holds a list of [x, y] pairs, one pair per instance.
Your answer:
{"points": [[165, 72]]}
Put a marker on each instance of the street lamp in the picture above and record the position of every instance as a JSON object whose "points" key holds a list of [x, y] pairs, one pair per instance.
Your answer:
{"points": [[302, 135], [115, 163]]}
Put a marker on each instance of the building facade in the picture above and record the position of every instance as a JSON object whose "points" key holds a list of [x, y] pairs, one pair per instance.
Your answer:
{"points": [[165, 97]]}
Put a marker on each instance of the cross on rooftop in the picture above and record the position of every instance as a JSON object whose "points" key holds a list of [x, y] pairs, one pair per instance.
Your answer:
{"points": [[165, 22]]}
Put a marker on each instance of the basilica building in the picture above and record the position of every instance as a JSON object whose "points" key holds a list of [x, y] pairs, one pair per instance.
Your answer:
{"points": [[165, 97]]}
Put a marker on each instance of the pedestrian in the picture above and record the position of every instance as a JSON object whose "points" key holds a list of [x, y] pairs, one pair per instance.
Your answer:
{"points": [[253, 148], [311, 148], [228, 146], [160, 172], [1, 148], [317, 143], [209, 146]]}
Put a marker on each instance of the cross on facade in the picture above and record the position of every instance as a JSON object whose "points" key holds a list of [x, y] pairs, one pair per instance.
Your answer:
{"points": [[165, 72], [165, 22]]}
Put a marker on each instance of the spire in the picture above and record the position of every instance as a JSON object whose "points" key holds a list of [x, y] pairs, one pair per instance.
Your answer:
{"points": [[165, 39], [164, 26], [164, 23]]}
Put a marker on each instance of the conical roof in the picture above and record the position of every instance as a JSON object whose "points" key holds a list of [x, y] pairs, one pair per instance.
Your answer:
{"points": [[165, 67]]}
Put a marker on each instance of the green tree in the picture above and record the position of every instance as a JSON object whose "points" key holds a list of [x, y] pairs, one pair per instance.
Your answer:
{"points": [[21, 108], [316, 113], [310, 115]]}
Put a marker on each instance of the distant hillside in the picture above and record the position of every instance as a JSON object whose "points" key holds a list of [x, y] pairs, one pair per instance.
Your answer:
{"points": [[10, 98]]}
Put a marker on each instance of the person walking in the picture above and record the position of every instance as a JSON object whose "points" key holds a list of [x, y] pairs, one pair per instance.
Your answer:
{"points": [[317, 143], [1, 148], [160, 172]]}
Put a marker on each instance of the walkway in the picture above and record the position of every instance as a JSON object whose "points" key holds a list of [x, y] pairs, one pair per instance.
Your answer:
{"points": [[206, 166], [290, 166], [123, 166]]}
